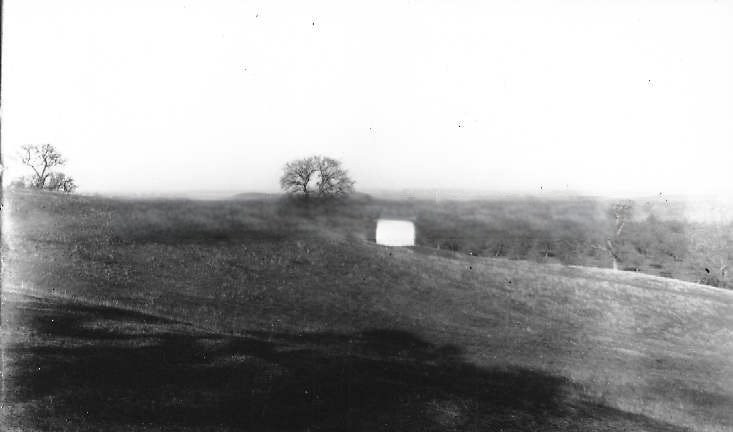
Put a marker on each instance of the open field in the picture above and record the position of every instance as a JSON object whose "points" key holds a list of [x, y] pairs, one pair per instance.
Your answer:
{"points": [[233, 315]]}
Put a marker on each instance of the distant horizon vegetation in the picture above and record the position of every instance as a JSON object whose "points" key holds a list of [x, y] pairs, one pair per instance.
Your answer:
{"points": [[706, 209], [668, 237], [29, 155]]}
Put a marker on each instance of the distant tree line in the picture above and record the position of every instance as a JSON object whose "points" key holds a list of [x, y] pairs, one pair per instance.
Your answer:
{"points": [[621, 235]]}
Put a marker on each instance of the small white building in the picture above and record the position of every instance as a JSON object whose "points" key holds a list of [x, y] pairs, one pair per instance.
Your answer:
{"points": [[395, 232]]}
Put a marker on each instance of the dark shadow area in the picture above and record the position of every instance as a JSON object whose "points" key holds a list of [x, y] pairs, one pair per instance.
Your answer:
{"points": [[86, 368]]}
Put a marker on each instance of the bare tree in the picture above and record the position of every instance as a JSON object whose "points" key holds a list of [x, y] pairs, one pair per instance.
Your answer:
{"points": [[621, 211], [297, 176], [44, 160], [317, 175], [333, 181]]}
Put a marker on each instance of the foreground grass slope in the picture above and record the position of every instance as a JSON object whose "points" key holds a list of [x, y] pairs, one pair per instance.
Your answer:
{"points": [[299, 318]]}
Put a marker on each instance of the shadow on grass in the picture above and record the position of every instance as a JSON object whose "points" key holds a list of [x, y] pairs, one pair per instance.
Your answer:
{"points": [[88, 368]]}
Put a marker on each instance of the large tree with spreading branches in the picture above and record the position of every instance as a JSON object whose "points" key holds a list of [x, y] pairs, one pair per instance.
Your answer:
{"points": [[317, 176]]}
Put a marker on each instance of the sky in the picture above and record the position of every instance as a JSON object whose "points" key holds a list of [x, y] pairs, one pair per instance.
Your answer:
{"points": [[594, 97]]}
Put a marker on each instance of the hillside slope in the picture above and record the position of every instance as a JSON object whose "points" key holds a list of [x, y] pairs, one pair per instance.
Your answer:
{"points": [[565, 348]]}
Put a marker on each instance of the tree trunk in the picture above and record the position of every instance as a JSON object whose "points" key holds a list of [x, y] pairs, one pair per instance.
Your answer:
{"points": [[612, 251]]}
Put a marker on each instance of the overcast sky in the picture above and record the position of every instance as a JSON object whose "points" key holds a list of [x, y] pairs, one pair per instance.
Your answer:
{"points": [[601, 97]]}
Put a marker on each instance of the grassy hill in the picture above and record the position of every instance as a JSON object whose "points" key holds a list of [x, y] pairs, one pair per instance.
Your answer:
{"points": [[230, 314]]}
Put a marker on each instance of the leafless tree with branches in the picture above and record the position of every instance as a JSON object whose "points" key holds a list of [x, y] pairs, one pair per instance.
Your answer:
{"points": [[316, 175], [333, 180], [621, 212], [44, 160], [297, 176]]}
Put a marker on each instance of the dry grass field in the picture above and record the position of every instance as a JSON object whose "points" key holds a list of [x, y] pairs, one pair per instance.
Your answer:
{"points": [[241, 315]]}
